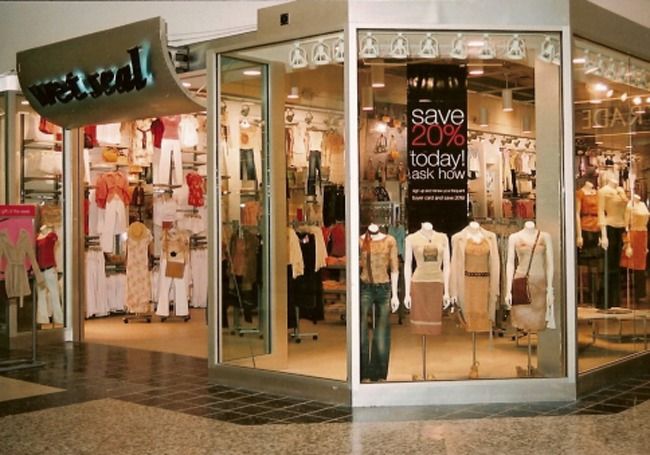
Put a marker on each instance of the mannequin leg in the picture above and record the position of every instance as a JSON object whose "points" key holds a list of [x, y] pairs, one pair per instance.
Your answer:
{"points": [[381, 336], [180, 297], [365, 304], [52, 283], [164, 284], [473, 371]]}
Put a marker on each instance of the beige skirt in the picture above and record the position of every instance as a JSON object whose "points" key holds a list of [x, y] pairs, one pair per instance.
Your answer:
{"points": [[426, 307]]}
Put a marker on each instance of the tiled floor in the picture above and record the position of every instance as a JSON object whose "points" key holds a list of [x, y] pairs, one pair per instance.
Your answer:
{"points": [[89, 372]]}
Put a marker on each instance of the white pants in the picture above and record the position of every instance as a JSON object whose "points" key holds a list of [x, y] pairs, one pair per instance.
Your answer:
{"points": [[116, 292], [199, 260], [170, 149], [96, 304], [114, 222], [165, 284], [49, 299], [155, 161]]}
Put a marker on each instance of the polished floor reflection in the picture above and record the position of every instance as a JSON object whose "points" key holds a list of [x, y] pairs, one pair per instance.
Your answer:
{"points": [[118, 400]]}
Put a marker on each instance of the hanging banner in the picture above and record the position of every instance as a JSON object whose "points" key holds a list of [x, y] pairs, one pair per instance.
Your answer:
{"points": [[124, 73], [437, 146]]}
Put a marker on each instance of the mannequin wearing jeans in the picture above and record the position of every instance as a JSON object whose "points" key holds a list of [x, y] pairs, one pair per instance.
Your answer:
{"points": [[379, 275], [49, 300], [170, 149]]}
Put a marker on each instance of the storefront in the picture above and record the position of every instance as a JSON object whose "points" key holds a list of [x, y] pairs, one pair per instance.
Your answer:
{"points": [[383, 177]]}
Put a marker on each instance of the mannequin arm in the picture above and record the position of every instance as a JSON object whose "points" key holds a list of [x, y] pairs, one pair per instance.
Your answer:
{"points": [[408, 260], [510, 270], [628, 225], [394, 300], [550, 298], [604, 243], [579, 240], [446, 273]]}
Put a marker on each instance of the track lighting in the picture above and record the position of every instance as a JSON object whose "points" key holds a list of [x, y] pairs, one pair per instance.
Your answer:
{"points": [[369, 47], [297, 56], [516, 48], [429, 47], [458, 48], [338, 50], [488, 51], [399, 46]]}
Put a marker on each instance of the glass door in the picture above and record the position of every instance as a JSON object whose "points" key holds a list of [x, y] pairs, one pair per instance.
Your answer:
{"points": [[243, 210]]}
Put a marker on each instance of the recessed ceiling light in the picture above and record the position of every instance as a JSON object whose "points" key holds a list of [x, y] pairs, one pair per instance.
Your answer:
{"points": [[24, 103], [624, 97], [187, 84], [637, 100], [476, 71], [609, 93], [252, 72], [600, 87], [579, 60]]}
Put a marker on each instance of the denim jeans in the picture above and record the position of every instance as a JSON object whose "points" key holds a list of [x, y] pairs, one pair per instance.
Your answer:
{"points": [[374, 361], [247, 165], [314, 166]]}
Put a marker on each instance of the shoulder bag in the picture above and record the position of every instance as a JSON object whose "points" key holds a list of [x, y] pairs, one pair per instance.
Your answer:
{"points": [[520, 288]]}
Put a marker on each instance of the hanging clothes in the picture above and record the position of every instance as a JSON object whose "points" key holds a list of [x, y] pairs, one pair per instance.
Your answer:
{"points": [[138, 280], [15, 273]]}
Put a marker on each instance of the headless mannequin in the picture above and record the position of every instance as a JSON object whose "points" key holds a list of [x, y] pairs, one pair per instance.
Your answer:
{"points": [[170, 152], [588, 189], [425, 233], [612, 203], [636, 207], [527, 237], [376, 235], [49, 298]]}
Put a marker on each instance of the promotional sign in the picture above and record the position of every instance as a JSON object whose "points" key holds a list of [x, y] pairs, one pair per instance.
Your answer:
{"points": [[437, 146], [115, 75]]}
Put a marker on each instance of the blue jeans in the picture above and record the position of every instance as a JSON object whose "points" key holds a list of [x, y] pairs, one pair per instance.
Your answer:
{"points": [[314, 166], [247, 165], [374, 363]]}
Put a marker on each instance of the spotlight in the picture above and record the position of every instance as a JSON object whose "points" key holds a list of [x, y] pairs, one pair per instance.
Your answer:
{"points": [[252, 72], [338, 50], [488, 50], [637, 100], [476, 70], [624, 97], [547, 51], [186, 84], [377, 76], [516, 48], [297, 56], [399, 47], [320, 54], [458, 48], [369, 47], [429, 47]]}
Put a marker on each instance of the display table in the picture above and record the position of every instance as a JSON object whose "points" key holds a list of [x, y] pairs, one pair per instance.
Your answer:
{"points": [[620, 315]]}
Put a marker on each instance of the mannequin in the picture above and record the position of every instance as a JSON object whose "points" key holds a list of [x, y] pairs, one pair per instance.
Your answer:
{"points": [[175, 247], [636, 250], [612, 203], [475, 280], [170, 150], [539, 314], [587, 237], [428, 286], [427, 289], [49, 298], [138, 278], [379, 275]]}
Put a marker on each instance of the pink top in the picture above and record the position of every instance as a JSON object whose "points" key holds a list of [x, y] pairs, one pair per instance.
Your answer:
{"points": [[45, 251], [110, 185], [172, 128]]}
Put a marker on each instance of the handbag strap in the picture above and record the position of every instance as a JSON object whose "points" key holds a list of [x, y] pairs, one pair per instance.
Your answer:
{"points": [[530, 263]]}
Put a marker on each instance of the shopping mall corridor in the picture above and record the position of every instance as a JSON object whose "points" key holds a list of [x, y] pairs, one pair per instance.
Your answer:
{"points": [[96, 399]]}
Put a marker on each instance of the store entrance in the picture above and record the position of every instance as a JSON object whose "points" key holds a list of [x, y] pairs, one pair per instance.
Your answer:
{"points": [[145, 222]]}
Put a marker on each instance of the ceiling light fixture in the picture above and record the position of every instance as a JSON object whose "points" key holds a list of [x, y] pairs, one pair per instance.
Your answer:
{"points": [[429, 47], [24, 103], [506, 95], [294, 93], [252, 72], [600, 87], [399, 47], [483, 118], [637, 100], [516, 48], [579, 60], [526, 124], [547, 50], [624, 97], [297, 56], [377, 76], [186, 84], [476, 70], [458, 48], [338, 50], [320, 54], [369, 47], [488, 51], [367, 99]]}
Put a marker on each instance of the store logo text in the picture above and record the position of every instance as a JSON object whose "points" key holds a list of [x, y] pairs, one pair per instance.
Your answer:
{"points": [[131, 76]]}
